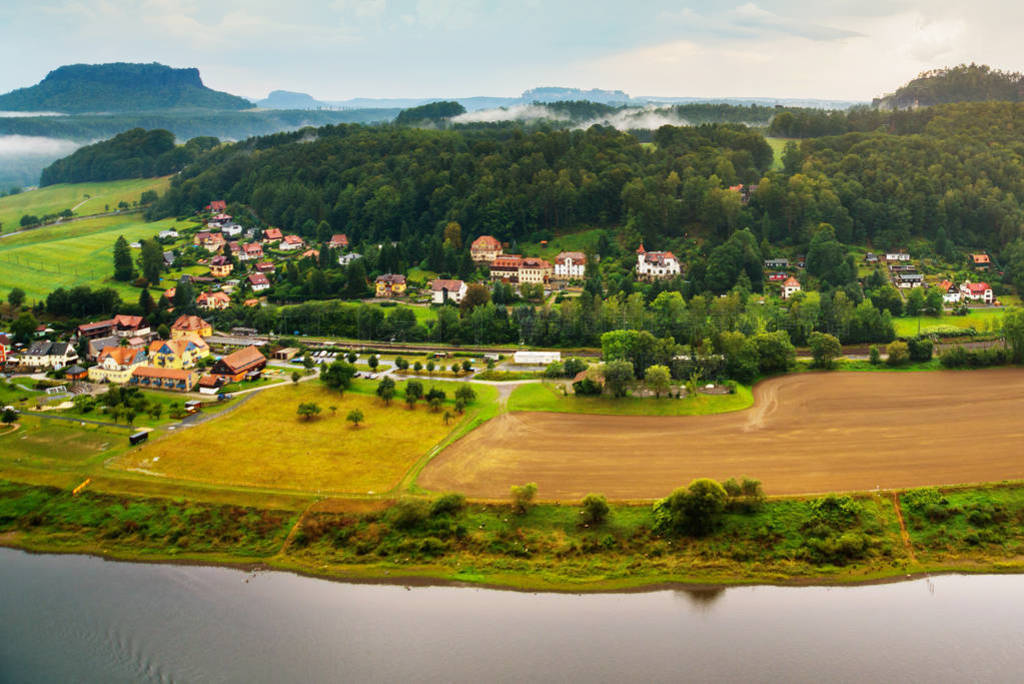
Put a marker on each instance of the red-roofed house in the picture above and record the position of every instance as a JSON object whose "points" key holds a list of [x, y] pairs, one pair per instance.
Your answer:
{"points": [[190, 325], [339, 241], [534, 270], [390, 285], [258, 282], [115, 364], [272, 234], [121, 325], [251, 251], [213, 300], [291, 242], [950, 292], [247, 362], [505, 267], [485, 249], [221, 267], [217, 205], [981, 261], [790, 287], [656, 265], [977, 292]]}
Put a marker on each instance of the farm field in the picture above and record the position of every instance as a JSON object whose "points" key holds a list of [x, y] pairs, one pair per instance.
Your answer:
{"points": [[282, 450], [547, 397], [807, 433], [982, 320], [57, 444], [56, 198], [80, 253]]}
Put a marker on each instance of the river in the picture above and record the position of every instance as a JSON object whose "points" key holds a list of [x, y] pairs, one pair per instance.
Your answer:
{"points": [[78, 618]]}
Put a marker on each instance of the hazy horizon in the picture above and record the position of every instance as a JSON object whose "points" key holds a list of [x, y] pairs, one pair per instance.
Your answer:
{"points": [[342, 49]]}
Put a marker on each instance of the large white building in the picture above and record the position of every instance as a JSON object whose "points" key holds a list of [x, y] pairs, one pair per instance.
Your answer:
{"points": [[536, 358], [46, 354], [656, 265], [570, 266], [977, 292], [447, 290]]}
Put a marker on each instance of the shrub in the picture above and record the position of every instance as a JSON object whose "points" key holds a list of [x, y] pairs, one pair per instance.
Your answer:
{"points": [[874, 357], [837, 511], [920, 349], [554, 370], [586, 388], [695, 509], [594, 509], [918, 499], [522, 496], [574, 367], [899, 353], [447, 504], [407, 514]]}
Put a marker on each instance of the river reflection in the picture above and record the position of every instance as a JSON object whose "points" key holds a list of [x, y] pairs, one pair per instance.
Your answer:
{"points": [[76, 618]]}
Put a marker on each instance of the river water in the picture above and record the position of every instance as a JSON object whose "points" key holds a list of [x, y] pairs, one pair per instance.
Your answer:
{"points": [[78, 618]]}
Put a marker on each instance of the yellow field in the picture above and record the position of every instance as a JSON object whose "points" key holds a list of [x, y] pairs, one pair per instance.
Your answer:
{"points": [[89, 198], [265, 444]]}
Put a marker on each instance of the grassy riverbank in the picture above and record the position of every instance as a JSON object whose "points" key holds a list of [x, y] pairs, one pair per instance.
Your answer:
{"points": [[787, 540]]}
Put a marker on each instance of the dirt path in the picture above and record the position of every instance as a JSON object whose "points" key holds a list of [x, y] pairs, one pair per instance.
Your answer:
{"points": [[903, 528], [807, 433]]}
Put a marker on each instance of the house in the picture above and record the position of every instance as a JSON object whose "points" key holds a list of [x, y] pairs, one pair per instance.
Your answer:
{"points": [[485, 249], [346, 259], [174, 379], [5, 348], [291, 243], [950, 292], [775, 264], [907, 280], [96, 345], [656, 265], [251, 251], [115, 364], [219, 221], [187, 326], [790, 287], [121, 325], [265, 266], [210, 384], [534, 270], [390, 285], [286, 353], [167, 235], [870, 258], [313, 254], [217, 206], [258, 282], [536, 358], [46, 354], [776, 277], [169, 258], [221, 267], [211, 242], [977, 292], [338, 241], [183, 352], [244, 363], [231, 229], [570, 266], [442, 291], [213, 300], [272, 235], [981, 262], [897, 256], [251, 302], [75, 372], [505, 267]]}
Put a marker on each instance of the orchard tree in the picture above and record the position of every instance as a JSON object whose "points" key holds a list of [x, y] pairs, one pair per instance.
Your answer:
{"points": [[658, 379], [386, 390], [355, 416], [413, 392]]}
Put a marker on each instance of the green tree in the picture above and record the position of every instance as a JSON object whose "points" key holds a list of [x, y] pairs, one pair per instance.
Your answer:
{"points": [[152, 261], [465, 393], [338, 376], [373, 362], [825, 349], [355, 416], [146, 302], [308, 410], [696, 509], [594, 509], [658, 379], [792, 158], [24, 327], [775, 352], [386, 390], [9, 415], [123, 269], [295, 377], [874, 356], [16, 297], [915, 301], [899, 353], [1013, 333], [617, 377], [522, 497], [933, 302], [413, 392]]}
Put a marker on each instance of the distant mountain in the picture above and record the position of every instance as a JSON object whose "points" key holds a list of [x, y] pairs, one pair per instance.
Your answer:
{"points": [[119, 87], [286, 99], [963, 83], [549, 94]]}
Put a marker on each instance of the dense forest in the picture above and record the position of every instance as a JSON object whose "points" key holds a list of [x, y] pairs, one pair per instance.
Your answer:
{"points": [[962, 83], [119, 87], [133, 154], [433, 111]]}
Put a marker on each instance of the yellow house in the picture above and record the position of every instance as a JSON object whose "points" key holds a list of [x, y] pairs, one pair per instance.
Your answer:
{"points": [[390, 285], [115, 364], [183, 352]]}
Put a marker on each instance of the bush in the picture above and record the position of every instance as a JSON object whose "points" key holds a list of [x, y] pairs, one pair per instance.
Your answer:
{"points": [[874, 357], [522, 496], [836, 511], [695, 509], [920, 349], [554, 370], [918, 499], [594, 509], [447, 504], [574, 367], [899, 353], [407, 514], [586, 388]]}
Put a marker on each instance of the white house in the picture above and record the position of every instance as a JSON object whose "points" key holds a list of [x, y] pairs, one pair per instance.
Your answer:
{"points": [[46, 354], [897, 256], [977, 292], [167, 235], [346, 259], [447, 290], [908, 280], [656, 265], [232, 230], [570, 266], [536, 358], [950, 292], [790, 287], [291, 242]]}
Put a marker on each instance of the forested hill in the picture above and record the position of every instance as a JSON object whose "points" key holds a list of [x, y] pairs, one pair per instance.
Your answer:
{"points": [[963, 83], [133, 154], [119, 87]]}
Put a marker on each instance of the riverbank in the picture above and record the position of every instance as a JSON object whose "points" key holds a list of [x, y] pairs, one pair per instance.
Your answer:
{"points": [[865, 538]]}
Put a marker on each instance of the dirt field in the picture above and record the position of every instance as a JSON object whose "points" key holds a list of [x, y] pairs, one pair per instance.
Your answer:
{"points": [[806, 433]]}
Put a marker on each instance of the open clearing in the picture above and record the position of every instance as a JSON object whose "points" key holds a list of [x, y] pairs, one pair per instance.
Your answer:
{"points": [[807, 433], [264, 443], [82, 198]]}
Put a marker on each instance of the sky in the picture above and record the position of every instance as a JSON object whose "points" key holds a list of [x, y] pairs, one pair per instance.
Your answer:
{"points": [[337, 49]]}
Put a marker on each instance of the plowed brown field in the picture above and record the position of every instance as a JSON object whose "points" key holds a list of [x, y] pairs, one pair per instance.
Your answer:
{"points": [[806, 433]]}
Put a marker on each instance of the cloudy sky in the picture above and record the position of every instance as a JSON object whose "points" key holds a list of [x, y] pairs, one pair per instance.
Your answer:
{"points": [[336, 49]]}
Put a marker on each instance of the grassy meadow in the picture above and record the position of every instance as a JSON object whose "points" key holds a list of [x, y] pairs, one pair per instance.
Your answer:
{"points": [[82, 198], [778, 144], [981, 320], [548, 397], [80, 253]]}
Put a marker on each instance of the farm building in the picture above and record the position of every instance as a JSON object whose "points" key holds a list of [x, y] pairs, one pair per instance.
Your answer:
{"points": [[244, 363], [536, 358]]}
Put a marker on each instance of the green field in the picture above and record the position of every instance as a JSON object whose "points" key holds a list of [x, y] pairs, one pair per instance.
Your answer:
{"points": [[777, 146], [80, 253], [570, 242], [547, 397], [82, 198], [982, 320]]}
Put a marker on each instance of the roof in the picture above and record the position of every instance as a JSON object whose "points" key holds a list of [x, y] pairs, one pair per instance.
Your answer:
{"points": [[659, 257], [945, 285], [74, 370], [217, 205], [791, 282], [439, 285], [273, 233], [190, 323], [980, 258], [393, 278], [486, 242], [47, 348], [507, 261], [978, 288], [340, 239], [534, 262], [177, 347], [253, 247], [243, 359], [164, 373], [258, 279], [293, 239], [219, 261], [578, 257], [123, 356], [210, 381], [213, 296], [265, 265]]}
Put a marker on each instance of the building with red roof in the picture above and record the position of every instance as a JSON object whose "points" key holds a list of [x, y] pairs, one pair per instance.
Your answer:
{"points": [[485, 249]]}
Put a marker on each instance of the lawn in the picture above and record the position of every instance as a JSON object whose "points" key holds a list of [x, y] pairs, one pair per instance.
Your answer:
{"points": [[778, 144], [51, 443], [90, 198], [80, 253], [570, 242], [547, 397], [282, 450], [982, 320]]}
